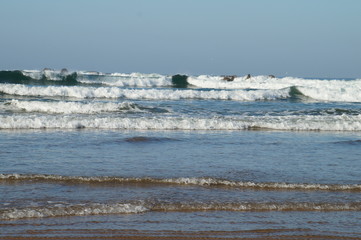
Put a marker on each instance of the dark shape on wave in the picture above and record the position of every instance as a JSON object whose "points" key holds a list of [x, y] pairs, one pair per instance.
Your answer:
{"points": [[67, 80], [13, 77], [142, 139], [248, 76], [296, 94], [180, 81], [71, 79], [350, 142], [64, 72], [271, 76], [138, 139], [229, 78]]}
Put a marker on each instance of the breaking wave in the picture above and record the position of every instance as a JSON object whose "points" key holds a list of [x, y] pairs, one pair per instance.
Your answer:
{"points": [[292, 122], [154, 94], [204, 182], [126, 80], [42, 78], [65, 78], [334, 90], [64, 210], [62, 107], [316, 89], [70, 210]]}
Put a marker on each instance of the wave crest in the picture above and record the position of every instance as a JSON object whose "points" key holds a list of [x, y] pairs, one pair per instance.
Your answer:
{"points": [[78, 107], [155, 94], [206, 182], [72, 210], [289, 123], [64, 210]]}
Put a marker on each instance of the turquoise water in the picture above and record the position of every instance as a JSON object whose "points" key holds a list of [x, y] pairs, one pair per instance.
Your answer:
{"points": [[116, 153]]}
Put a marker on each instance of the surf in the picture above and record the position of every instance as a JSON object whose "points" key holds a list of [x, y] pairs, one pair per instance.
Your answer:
{"points": [[183, 181], [67, 210], [154, 94]]}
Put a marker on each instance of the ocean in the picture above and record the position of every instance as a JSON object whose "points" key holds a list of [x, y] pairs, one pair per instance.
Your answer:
{"points": [[91, 155]]}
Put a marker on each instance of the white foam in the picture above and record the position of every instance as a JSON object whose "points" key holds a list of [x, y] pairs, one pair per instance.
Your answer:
{"points": [[71, 210], [64, 210], [112, 79], [334, 93], [267, 206], [128, 80], [296, 123], [183, 181], [265, 82], [34, 74], [255, 185], [50, 74], [317, 89], [63, 107], [257, 82], [322, 90], [168, 94]]}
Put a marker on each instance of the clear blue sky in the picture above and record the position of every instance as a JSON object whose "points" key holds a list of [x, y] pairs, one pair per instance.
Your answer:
{"points": [[301, 38]]}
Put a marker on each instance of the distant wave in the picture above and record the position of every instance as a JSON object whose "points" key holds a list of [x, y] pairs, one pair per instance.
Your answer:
{"points": [[20, 77], [63, 210], [127, 80], [154, 94], [267, 82], [77, 84], [319, 90], [64, 78], [207, 182], [290, 123]]}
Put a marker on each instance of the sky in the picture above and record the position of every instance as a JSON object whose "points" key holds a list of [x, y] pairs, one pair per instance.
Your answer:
{"points": [[299, 38]]}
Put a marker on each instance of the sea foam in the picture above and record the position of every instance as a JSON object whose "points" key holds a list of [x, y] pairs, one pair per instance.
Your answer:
{"points": [[62, 107], [317, 89], [64, 210], [70, 210], [295, 123], [155, 94]]}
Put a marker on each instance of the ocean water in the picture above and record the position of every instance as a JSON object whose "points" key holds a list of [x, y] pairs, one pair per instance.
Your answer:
{"points": [[95, 155]]}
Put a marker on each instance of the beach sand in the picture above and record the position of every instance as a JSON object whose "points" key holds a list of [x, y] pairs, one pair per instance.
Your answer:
{"points": [[74, 234]]}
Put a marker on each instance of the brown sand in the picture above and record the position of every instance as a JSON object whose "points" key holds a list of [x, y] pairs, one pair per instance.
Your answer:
{"points": [[91, 234]]}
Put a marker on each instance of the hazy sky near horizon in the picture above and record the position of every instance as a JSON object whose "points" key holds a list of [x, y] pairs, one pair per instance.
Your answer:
{"points": [[301, 38]]}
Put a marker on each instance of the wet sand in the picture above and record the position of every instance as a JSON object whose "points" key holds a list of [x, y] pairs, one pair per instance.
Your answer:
{"points": [[74, 234]]}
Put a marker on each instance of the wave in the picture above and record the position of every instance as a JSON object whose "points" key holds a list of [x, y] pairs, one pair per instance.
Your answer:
{"points": [[334, 90], [350, 142], [94, 107], [49, 77], [154, 94], [64, 210], [62, 107], [266, 82], [126, 80], [21, 77], [316, 89], [60, 210], [289, 123], [204, 182]]}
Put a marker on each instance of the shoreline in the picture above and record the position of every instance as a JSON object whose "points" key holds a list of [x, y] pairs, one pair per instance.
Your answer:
{"points": [[76, 234]]}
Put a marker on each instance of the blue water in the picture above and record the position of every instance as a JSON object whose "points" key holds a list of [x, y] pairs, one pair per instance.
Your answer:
{"points": [[285, 165]]}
